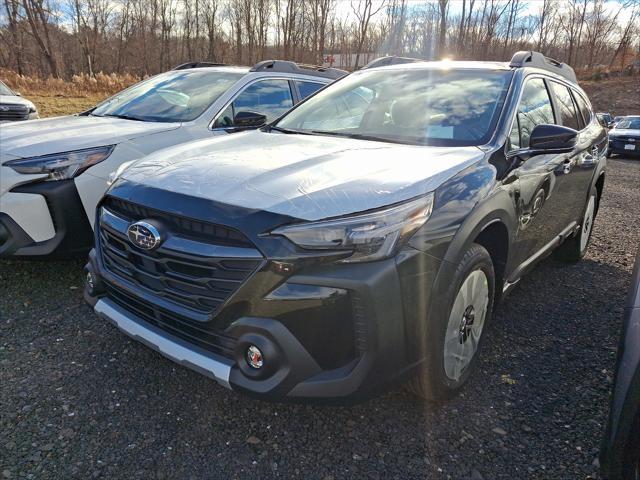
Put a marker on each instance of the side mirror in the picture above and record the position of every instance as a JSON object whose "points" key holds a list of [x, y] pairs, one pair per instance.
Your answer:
{"points": [[18, 94], [547, 138], [249, 119]]}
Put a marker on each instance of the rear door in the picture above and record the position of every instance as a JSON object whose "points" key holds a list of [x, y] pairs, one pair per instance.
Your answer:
{"points": [[577, 171], [304, 88]]}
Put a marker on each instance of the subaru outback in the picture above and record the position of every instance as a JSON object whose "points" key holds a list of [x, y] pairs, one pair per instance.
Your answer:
{"points": [[364, 238]]}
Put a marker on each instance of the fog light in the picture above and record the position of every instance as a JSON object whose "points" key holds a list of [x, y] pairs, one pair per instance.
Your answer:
{"points": [[254, 357]]}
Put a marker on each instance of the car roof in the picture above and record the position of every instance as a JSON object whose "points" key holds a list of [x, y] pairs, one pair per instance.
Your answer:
{"points": [[446, 64], [221, 68]]}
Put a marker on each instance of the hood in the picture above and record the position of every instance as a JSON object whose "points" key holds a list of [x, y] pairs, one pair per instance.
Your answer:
{"points": [[302, 176], [15, 100], [63, 134]]}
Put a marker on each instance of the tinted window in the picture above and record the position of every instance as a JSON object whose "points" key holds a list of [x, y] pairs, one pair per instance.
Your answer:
{"points": [[268, 97], [415, 106], [176, 96], [534, 109], [568, 115], [308, 88], [584, 108]]}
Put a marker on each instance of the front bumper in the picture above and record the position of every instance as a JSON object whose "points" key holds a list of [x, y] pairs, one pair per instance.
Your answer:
{"points": [[332, 332], [43, 219], [213, 366]]}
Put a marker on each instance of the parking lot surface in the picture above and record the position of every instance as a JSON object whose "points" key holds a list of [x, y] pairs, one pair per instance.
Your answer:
{"points": [[81, 400]]}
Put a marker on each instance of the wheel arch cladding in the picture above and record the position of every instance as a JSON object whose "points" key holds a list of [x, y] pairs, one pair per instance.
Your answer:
{"points": [[599, 189], [495, 238]]}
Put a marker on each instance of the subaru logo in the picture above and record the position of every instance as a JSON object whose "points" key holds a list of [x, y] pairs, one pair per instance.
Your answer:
{"points": [[144, 235]]}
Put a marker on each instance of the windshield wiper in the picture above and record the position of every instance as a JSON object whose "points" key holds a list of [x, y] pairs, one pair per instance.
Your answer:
{"points": [[360, 136], [268, 128], [124, 117]]}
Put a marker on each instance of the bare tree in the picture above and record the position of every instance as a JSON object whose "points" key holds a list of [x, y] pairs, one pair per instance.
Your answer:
{"points": [[38, 16], [364, 12]]}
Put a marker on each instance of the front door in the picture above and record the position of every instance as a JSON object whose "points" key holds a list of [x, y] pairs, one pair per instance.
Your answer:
{"points": [[538, 194]]}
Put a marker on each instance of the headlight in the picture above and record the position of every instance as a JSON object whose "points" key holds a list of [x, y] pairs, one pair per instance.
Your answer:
{"points": [[370, 236], [61, 166]]}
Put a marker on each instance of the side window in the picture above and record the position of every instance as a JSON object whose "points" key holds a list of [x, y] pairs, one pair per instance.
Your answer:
{"points": [[568, 114], [534, 109], [268, 97], [307, 88], [584, 108]]}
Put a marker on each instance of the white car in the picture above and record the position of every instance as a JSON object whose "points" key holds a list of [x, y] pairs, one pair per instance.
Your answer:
{"points": [[54, 171], [14, 108]]}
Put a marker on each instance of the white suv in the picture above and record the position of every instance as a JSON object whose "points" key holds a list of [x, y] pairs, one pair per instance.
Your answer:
{"points": [[54, 171]]}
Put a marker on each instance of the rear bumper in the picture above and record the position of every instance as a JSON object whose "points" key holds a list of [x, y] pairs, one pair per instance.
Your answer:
{"points": [[44, 219], [619, 146]]}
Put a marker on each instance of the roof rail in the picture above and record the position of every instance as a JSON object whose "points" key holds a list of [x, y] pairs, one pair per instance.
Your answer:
{"points": [[185, 66], [285, 66], [538, 60], [390, 60]]}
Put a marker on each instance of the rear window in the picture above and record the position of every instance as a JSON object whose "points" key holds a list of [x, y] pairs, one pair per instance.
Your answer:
{"points": [[568, 114], [308, 88], [583, 107]]}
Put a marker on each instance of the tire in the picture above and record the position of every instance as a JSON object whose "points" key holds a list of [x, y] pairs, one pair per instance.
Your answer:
{"points": [[574, 248], [452, 342], [609, 153]]}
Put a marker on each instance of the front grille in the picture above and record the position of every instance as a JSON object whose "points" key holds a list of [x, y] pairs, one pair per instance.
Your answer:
{"points": [[177, 287], [13, 112], [187, 227], [198, 283], [211, 340]]}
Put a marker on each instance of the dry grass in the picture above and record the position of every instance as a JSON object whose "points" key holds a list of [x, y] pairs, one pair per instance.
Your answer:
{"points": [[55, 97], [57, 105]]}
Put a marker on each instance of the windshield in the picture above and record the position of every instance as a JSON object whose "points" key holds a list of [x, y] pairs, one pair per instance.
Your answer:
{"points": [[176, 96], [629, 123], [421, 106], [4, 90]]}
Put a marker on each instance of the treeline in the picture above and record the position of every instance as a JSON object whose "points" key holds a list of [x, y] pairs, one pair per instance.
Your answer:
{"points": [[141, 37]]}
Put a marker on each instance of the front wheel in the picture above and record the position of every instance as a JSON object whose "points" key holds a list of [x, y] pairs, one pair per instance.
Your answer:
{"points": [[574, 248], [452, 343]]}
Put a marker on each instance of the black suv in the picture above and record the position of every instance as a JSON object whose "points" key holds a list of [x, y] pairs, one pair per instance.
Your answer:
{"points": [[362, 238]]}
